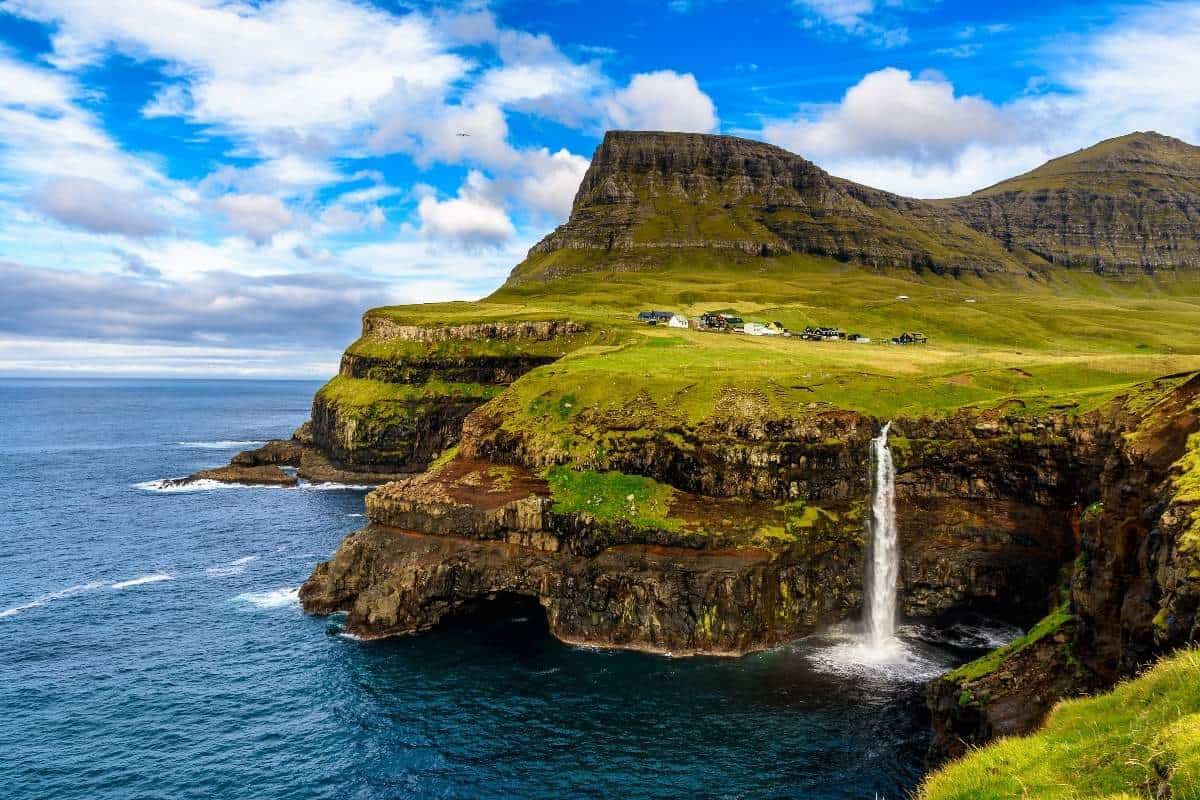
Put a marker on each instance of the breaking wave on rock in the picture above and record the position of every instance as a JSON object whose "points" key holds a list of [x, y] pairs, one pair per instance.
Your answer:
{"points": [[331, 486], [183, 485], [223, 444]]}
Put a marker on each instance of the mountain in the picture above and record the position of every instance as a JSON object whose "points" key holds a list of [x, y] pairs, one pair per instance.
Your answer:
{"points": [[1129, 204], [650, 192]]}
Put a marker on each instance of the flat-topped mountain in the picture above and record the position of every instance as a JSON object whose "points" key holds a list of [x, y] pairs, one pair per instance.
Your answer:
{"points": [[650, 192], [1129, 204]]}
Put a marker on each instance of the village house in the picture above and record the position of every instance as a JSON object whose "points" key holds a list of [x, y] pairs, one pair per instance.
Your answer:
{"points": [[910, 338], [765, 329], [822, 334], [716, 321], [655, 317], [677, 321]]}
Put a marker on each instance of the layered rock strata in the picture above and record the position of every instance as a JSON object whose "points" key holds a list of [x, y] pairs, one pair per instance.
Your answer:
{"points": [[1132, 594], [649, 192]]}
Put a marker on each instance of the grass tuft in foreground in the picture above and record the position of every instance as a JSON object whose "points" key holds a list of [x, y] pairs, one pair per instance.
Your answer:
{"points": [[1141, 740]]}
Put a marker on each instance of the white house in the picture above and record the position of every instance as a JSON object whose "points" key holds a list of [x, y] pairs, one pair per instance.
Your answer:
{"points": [[677, 321], [761, 329]]}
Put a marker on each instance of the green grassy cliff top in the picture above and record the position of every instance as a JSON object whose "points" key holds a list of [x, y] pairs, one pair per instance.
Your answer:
{"points": [[1142, 740]]}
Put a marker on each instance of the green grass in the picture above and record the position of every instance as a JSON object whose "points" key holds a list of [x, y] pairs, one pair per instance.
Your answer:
{"points": [[989, 663], [1068, 342], [1187, 490], [612, 496], [1132, 742], [351, 394]]}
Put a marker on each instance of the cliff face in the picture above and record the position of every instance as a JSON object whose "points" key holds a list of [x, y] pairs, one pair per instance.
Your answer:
{"points": [[646, 192], [403, 390], [1130, 204], [744, 554], [1133, 592]]}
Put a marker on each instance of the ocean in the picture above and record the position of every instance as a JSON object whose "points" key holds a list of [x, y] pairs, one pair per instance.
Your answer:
{"points": [[151, 646]]}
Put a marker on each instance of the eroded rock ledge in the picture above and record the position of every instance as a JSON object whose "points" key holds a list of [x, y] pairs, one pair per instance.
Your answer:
{"points": [[771, 551]]}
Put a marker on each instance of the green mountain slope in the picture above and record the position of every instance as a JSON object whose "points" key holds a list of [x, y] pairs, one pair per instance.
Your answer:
{"points": [[1129, 204], [648, 194]]}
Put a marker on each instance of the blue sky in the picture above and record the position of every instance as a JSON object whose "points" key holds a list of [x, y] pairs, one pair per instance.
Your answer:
{"points": [[221, 187]]}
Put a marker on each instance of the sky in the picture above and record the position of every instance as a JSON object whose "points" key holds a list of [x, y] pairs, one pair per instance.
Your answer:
{"points": [[220, 188]]}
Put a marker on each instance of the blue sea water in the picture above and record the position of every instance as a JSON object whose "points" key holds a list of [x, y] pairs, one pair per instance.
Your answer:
{"points": [[151, 647]]}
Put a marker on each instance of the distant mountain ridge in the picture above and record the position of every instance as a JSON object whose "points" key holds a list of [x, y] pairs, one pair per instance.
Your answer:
{"points": [[1129, 204]]}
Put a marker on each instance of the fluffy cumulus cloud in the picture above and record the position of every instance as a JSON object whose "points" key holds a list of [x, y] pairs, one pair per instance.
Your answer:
{"points": [[552, 180], [472, 219], [307, 68], [919, 136], [662, 101], [891, 114]]}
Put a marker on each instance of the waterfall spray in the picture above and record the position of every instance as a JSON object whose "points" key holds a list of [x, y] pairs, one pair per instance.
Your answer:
{"points": [[883, 550]]}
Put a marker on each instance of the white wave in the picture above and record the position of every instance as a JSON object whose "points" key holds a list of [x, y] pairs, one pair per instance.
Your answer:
{"points": [[353, 637], [272, 598], [223, 444], [331, 486], [157, 577], [183, 485], [42, 600], [356, 515], [235, 567]]}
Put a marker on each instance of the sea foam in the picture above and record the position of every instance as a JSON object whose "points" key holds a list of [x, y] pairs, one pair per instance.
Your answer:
{"points": [[223, 444], [157, 577], [235, 567], [50, 597], [183, 485], [272, 598]]}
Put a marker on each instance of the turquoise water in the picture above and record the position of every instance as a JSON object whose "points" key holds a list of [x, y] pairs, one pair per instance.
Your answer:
{"points": [[151, 647]]}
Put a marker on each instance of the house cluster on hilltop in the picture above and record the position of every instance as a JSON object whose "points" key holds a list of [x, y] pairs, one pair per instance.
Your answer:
{"points": [[722, 322]]}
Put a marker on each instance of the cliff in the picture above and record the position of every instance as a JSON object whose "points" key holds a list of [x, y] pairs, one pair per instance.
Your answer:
{"points": [[695, 492], [725, 557], [1125, 205], [649, 192]]}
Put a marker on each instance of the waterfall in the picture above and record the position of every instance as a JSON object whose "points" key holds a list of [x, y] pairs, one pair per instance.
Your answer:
{"points": [[883, 550]]}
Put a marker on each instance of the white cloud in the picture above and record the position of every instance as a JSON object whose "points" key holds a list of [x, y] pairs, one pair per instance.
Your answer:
{"points": [[552, 181], [340, 218], [891, 114], [94, 206], [917, 136], [663, 100], [450, 134], [471, 219], [854, 17], [259, 217], [312, 67]]}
